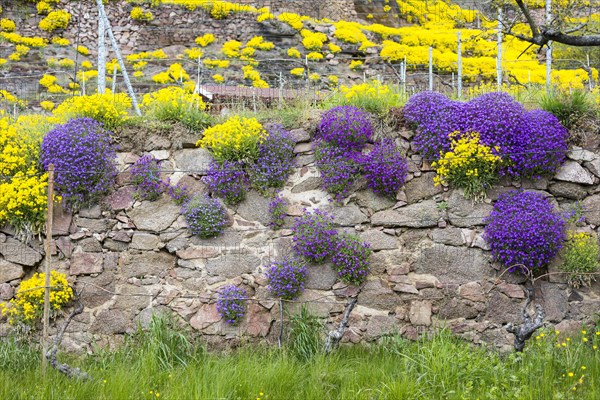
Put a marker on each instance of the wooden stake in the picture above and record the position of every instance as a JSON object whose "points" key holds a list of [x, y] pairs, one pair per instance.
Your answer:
{"points": [[46, 319]]}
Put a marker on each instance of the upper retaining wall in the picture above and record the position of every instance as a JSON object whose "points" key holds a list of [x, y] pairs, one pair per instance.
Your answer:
{"points": [[430, 265]]}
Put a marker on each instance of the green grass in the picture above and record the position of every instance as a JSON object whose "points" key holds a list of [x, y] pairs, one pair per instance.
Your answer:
{"points": [[165, 361]]}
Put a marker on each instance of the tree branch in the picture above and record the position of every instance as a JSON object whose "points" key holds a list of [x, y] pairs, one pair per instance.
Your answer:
{"points": [[334, 337]]}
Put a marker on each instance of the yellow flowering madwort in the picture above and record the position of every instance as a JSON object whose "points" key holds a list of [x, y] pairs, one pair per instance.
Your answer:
{"points": [[469, 164], [235, 139], [28, 304]]}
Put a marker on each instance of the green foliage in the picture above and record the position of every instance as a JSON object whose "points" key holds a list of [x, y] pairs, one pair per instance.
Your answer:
{"points": [[580, 258], [569, 108], [305, 335], [437, 366]]}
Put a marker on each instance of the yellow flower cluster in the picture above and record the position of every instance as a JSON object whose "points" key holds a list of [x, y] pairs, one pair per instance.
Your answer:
{"points": [[84, 51], [349, 32], [7, 25], [50, 82], [63, 42], [293, 52], [334, 48], [231, 48], [205, 39], [314, 55], [22, 186], [43, 8], [253, 75], [175, 73], [20, 50], [215, 63], [373, 89], [28, 304], [15, 38], [258, 42], [312, 40], [194, 53], [469, 164], [108, 108], [292, 19], [314, 77], [11, 99], [218, 78], [147, 55], [58, 19], [265, 17], [138, 14], [297, 71], [174, 97], [332, 80], [47, 105], [235, 139], [355, 64]]}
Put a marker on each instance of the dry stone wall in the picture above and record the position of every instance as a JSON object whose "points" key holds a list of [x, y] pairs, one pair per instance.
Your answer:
{"points": [[430, 267], [174, 24]]}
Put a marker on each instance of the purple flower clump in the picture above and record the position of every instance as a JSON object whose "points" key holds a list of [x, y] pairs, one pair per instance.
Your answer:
{"points": [[277, 211], [84, 159], [314, 236], [338, 167], [205, 217], [179, 193], [287, 278], [524, 230], [231, 304], [532, 143], [346, 127], [145, 174], [385, 168], [228, 180], [351, 259], [275, 161]]}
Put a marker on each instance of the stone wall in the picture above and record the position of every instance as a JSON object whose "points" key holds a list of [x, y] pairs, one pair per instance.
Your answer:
{"points": [[172, 24], [430, 266]]}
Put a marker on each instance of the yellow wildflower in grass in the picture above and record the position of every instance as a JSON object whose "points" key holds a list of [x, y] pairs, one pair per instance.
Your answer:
{"points": [[332, 80], [580, 258], [12, 100], [235, 139], [218, 78], [469, 164], [314, 77], [175, 104], [140, 65], [293, 52], [138, 74], [14, 57], [247, 52], [314, 55], [355, 64], [86, 64], [297, 71], [205, 39], [15, 38], [108, 108], [60, 41], [7, 25], [58, 19], [3, 62], [259, 83], [372, 96], [28, 305]]}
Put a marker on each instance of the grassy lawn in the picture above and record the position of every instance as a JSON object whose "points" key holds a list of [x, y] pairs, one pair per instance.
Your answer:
{"points": [[163, 363]]}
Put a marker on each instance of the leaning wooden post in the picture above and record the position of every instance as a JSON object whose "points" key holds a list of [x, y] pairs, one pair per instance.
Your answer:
{"points": [[46, 319]]}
